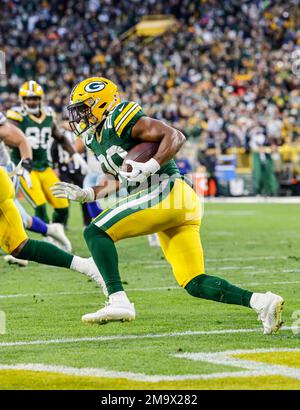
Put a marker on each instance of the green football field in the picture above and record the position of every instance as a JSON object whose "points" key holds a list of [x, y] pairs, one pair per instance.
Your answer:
{"points": [[176, 341]]}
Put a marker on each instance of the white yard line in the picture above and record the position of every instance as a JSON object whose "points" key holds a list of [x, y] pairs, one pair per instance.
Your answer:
{"points": [[134, 337], [158, 288], [226, 358]]}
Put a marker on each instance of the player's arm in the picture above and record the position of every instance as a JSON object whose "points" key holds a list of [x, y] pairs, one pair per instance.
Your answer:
{"points": [[79, 146], [79, 162], [62, 139], [148, 129], [107, 186], [14, 137], [171, 140]]}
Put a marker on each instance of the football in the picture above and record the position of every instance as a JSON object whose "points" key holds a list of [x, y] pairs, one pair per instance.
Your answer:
{"points": [[140, 153]]}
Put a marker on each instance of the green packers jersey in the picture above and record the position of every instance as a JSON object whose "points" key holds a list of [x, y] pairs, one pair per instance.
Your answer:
{"points": [[38, 131], [113, 142]]}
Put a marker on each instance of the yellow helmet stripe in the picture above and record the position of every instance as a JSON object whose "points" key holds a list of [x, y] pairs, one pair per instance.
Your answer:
{"points": [[123, 113], [128, 119]]}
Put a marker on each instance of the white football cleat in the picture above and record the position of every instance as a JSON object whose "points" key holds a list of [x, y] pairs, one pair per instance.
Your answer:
{"points": [[11, 259], [112, 312], [57, 232], [270, 313]]}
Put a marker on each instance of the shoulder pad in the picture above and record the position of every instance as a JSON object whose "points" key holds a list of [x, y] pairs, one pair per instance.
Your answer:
{"points": [[123, 113], [15, 113]]}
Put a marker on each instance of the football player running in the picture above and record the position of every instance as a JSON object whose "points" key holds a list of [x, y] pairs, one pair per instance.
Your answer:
{"points": [[13, 238], [38, 123], [169, 207]]}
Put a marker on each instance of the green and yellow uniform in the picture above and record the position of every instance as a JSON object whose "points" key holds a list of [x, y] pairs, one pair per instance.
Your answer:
{"points": [[38, 131], [171, 207], [12, 232]]}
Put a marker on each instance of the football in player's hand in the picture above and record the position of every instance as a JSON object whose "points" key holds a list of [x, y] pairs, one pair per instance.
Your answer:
{"points": [[140, 153]]}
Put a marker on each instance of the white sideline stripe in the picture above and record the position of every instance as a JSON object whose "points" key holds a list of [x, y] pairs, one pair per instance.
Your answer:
{"points": [[132, 337], [161, 288], [224, 358]]}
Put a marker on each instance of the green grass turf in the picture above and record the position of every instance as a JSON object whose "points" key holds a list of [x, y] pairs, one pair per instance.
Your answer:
{"points": [[250, 245]]}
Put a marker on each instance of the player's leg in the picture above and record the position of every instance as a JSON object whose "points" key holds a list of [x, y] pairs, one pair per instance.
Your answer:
{"points": [[61, 209], [32, 223], [14, 241], [257, 173], [54, 231], [48, 254], [143, 213], [35, 195], [60, 205], [183, 250]]}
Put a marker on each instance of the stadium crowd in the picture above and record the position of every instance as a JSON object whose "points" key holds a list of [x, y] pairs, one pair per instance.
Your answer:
{"points": [[223, 75]]}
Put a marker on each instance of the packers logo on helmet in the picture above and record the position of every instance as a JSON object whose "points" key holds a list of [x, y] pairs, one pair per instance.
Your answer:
{"points": [[90, 102], [31, 95], [94, 86]]}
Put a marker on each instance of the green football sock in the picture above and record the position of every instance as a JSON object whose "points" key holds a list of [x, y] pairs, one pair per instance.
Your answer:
{"points": [[105, 256], [41, 212], [219, 290], [46, 253], [60, 215]]}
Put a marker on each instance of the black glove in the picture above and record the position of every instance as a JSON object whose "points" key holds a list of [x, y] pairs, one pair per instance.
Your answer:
{"points": [[27, 164]]}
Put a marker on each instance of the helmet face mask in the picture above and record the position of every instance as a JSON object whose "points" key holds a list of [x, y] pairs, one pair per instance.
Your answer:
{"points": [[81, 118]]}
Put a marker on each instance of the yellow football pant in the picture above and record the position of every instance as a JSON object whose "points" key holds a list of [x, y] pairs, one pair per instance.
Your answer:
{"points": [[40, 192], [12, 232], [174, 213]]}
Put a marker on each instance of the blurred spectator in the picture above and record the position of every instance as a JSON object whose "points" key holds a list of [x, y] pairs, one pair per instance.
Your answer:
{"points": [[225, 67], [265, 182]]}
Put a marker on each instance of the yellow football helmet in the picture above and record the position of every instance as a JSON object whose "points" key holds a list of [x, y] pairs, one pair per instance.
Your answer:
{"points": [[31, 95], [90, 102]]}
